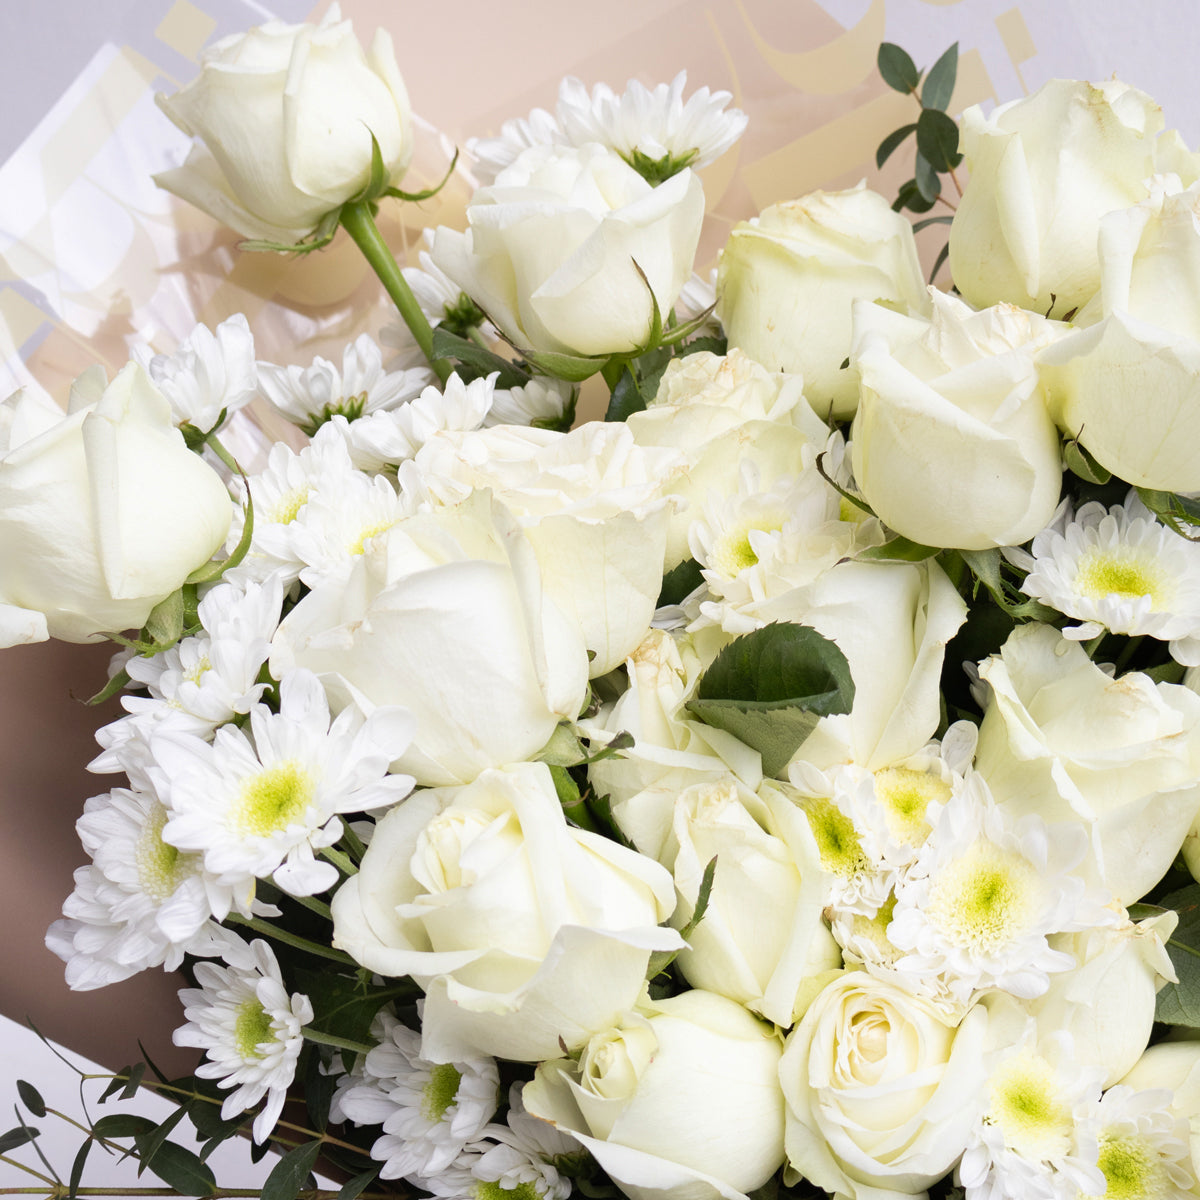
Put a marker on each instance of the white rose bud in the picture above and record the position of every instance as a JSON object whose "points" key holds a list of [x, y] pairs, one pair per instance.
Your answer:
{"points": [[551, 247], [444, 614], [679, 1101], [882, 1088], [952, 444], [1106, 1003], [1043, 171], [103, 512], [1129, 386], [787, 280], [1062, 738], [285, 116], [522, 929]]}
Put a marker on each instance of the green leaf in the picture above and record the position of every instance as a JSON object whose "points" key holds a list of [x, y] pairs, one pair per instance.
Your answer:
{"points": [[459, 349], [17, 1136], [119, 1125], [770, 687], [344, 1005], [1179, 1003], [289, 1173], [929, 186], [565, 786], [897, 68], [939, 83], [76, 1176], [1174, 511], [924, 224], [133, 1082], [937, 140], [660, 960], [1080, 462], [679, 582], [626, 397], [182, 1170], [909, 196], [352, 1188], [676, 334], [111, 688], [891, 142], [943, 254], [31, 1098], [899, 549], [164, 625], [152, 1141]]}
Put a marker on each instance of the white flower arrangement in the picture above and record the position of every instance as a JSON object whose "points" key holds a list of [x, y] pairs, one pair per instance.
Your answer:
{"points": [[611, 806]]}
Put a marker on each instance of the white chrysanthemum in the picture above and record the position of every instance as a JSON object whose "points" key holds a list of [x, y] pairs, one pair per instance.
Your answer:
{"points": [[525, 1157], [1144, 1148], [386, 439], [493, 155], [281, 493], [1119, 569], [309, 396], [140, 903], [261, 807], [976, 908], [209, 374], [211, 678], [429, 1111], [656, 132], [249, 1028], [547, 403], [1037, 1136]]}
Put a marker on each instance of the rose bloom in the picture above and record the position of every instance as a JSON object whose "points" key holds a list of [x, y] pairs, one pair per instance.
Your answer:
{"points": [[882, 1088], [524, 931], [677, 1101], [284, 115], [553, 247], [104, 511], [788, 278]]}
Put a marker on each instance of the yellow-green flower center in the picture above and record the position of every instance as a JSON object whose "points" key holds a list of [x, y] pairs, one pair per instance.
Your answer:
{"points": [[985, 899], [906, 795], [360, 544], [493, 1191], [733, 552], [251, 1029], [161, 868], [874, 929], [274, 799], [1132, 1170], [287, 507], [1122, 572], [837, 840], [440, 1091], [1027, 1105]]}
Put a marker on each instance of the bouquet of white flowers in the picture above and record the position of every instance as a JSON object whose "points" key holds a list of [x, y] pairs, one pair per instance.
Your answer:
{"points": [[788, 785]]}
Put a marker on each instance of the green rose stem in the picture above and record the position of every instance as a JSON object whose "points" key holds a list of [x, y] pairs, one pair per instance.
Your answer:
{"points": [[358, 222]]}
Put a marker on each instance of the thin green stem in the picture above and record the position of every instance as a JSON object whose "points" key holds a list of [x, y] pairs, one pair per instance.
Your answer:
{"points": [[313, 905], [1094, 644], [291, 939], [12, 1162], [342, 861], [330, 1039], [359, 223], [1128, 652], [353, 842]]}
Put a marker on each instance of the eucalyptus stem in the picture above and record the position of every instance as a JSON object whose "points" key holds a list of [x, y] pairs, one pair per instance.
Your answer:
{"points": [[291, 939], [12, 1162], [359, 223]]}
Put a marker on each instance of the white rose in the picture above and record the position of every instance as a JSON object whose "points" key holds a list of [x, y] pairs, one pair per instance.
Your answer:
{"points": [[285, 116], [680, 1101], [103, 512], [1129, 386], [671, 750], [1043, 171], [444, 614], [1106, 1003], [882, 1088], [763, 938], [589, 503], [1063, 739], [952, 444], [522, 929], [721, 411], [550, 249], [787, 281]]}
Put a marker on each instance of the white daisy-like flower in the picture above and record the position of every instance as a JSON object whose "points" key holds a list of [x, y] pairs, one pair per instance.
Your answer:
{"points": [[493, 155], [656, 131], [386, 439], [977, 907], [429, 1111], [211, 373], [527, 1155], [309, 396], [546, 403], [1037, 1136], [211, 678], [261, 806], [281, 493], [1144, 1148], [1118, 569], [250, 1030]]}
